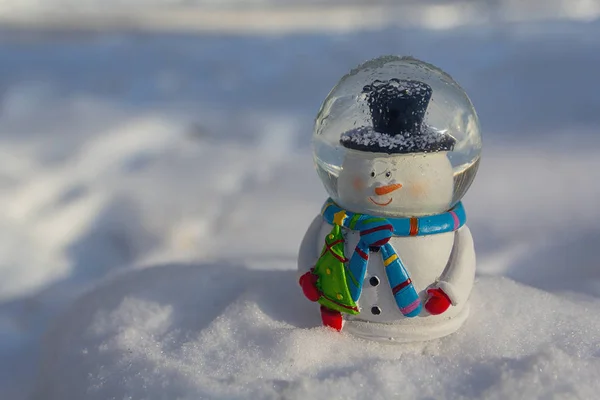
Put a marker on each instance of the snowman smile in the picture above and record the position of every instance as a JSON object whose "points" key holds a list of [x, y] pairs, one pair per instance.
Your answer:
{"points": [[383, 190], [381, 204]]}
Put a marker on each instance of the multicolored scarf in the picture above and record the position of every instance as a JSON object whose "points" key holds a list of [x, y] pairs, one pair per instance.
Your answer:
{"points": [[375, 233]]}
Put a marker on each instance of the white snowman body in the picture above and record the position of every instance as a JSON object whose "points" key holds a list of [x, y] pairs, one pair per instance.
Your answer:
{"points": [[401, 185]]}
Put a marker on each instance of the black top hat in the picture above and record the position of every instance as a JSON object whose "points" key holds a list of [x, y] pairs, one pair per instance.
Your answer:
{"points": [[397, 110]]}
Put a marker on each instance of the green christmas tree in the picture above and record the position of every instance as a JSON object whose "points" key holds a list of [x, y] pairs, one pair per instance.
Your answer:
{"points": [[331, 270]]}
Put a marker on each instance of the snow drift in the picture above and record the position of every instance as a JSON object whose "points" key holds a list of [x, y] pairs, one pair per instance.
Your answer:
{"points": [[224, 331]]}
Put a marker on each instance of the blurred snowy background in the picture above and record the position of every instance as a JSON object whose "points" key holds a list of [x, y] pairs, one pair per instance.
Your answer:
{"points": [[156, 180]]}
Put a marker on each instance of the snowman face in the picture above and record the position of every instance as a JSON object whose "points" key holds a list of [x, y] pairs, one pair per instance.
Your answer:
{"points": [[402, 185]]}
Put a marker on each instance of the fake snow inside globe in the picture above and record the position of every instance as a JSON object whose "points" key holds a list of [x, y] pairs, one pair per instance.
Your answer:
{"points": [[398, 106], [390, 257]]}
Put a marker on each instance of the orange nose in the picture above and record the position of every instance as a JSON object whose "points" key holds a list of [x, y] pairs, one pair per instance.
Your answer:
{"points": [[381, 190]]}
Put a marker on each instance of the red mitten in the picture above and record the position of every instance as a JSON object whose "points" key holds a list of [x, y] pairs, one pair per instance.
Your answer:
{"points": [[308, 282], [438, 301]]}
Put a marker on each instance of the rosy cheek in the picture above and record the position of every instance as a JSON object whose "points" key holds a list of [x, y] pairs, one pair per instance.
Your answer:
{"points": [[418, 189], [358, 184]]}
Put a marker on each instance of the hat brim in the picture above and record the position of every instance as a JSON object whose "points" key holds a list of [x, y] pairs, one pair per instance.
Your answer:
{"points": [[369, 140]]}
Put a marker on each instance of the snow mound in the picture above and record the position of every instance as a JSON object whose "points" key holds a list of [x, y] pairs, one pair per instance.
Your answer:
{"points": [[223, 331]]}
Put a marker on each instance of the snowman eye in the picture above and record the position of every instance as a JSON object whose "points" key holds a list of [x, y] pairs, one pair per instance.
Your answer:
{"points": [[388, 174], [372, 174]]}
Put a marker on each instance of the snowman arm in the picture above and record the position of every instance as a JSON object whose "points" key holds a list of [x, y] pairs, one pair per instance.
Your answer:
{"points": [[458, 277], [307, 255]]}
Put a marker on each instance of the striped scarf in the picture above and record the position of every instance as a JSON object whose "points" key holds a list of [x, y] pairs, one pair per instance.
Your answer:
{"points": [[375, 232]]}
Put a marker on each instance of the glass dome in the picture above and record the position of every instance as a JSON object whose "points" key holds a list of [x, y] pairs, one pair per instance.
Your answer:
{"points": [[395, 106]]}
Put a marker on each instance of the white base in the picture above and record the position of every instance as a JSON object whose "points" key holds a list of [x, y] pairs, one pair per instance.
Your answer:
{"points": [[409, 330]]}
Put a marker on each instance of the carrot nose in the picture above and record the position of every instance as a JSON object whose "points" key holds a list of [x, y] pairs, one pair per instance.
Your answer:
{"points": [[381, 190]]}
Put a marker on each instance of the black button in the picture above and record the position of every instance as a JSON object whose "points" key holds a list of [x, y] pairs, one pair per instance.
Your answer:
{"points": [[374, 281], [375, 310], [374, 249]]}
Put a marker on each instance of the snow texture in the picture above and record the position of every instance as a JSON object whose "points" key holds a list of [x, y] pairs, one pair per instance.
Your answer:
{"points": [[155, 189], [166, 332]]}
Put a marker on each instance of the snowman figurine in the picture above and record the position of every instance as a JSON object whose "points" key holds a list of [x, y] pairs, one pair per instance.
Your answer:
{"points": [[391, 258]]}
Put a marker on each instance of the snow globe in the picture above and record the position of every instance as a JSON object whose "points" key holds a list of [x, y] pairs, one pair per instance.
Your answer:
{"points": [[397, 144]]}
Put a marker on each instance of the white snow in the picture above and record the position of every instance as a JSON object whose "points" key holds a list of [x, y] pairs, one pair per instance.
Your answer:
{"points": [[150, 339], [268, 17], [155, 187]]}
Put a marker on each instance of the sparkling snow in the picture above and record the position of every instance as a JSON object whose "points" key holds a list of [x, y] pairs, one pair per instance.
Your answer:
{"points": [[155, 188], [406, 143]]}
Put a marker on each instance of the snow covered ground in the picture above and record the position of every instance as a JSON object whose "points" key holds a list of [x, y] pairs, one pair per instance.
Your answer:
{"points": [[273, 17], [131, 163]]}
